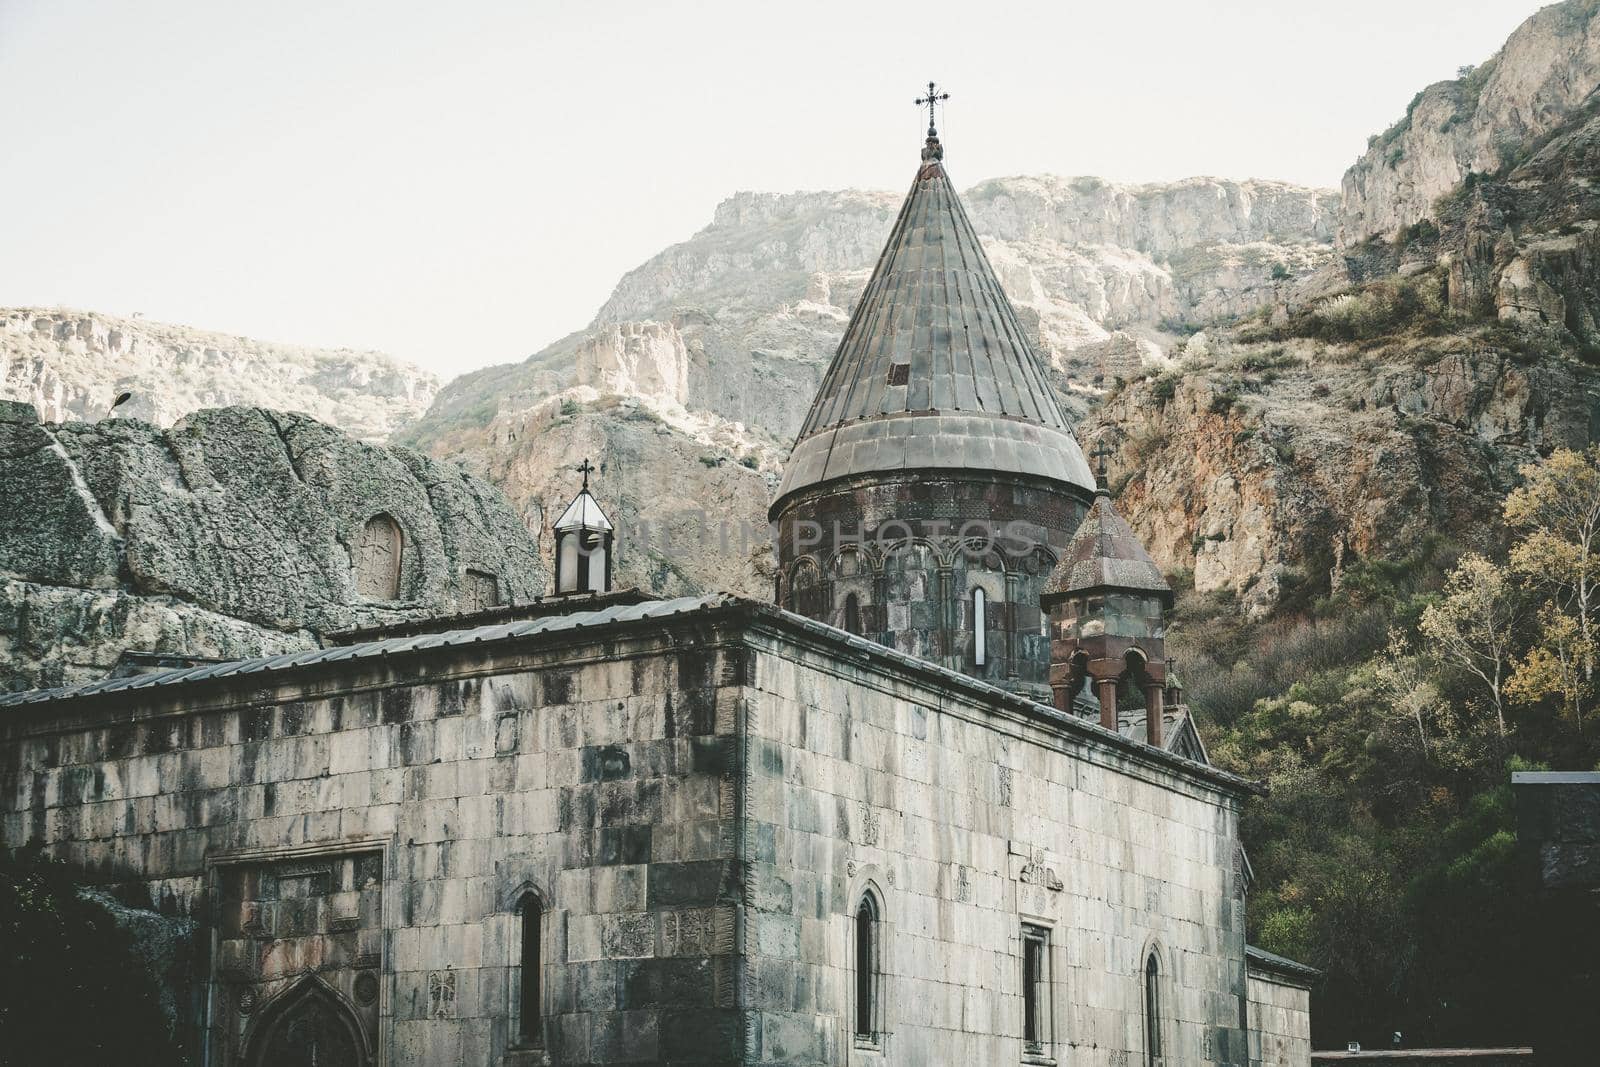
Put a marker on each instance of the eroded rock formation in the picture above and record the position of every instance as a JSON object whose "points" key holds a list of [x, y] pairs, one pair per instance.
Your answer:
{"points": [[240, 531], [1263, 467], [1483, 122], [690, 384]]}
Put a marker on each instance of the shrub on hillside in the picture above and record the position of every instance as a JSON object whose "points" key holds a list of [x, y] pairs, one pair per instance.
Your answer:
{"points": [[1378, 309]]}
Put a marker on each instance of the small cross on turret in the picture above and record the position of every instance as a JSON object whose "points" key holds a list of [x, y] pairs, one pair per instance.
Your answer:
{"points": [[933, 98], [586, 468]]}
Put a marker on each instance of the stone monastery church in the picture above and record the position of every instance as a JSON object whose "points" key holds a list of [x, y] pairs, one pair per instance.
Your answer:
{"points": [[941, 804]]}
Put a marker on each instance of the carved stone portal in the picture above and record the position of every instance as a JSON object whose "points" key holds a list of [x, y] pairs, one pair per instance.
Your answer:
{"points": [[299, 960], [378, 557], [309, 1027]]}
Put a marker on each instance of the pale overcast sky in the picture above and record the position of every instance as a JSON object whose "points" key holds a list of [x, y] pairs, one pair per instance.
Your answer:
{"points": [[461, 183]]}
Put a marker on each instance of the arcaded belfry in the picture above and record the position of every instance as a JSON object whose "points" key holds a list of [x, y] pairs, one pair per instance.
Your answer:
{"points": [[936, 480], [1107, 604]]}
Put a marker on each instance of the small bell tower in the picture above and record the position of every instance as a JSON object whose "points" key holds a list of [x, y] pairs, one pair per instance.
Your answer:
{"points": [[1107, 603], [583, 544]]}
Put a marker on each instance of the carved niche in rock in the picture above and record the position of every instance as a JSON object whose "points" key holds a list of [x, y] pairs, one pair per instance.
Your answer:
{"points": [[480, 591], [379, 553]]}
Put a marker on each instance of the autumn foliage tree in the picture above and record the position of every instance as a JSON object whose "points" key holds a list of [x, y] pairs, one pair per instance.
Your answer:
{"points": [[1473, 627], [1557, 512]]}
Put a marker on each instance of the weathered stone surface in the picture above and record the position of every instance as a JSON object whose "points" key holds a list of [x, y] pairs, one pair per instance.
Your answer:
{"points": [[73, 364], [1255, 480], [344, 832], [236, 532], [1280, 1022], [1480, 123], [688, 498], [54, 635]]}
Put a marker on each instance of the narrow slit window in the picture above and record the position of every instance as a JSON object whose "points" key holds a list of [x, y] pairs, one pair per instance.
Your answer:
{"points": [[1152, 1011], [1036, 1014], [980, 629], [530, 1012], [852, 613], [868, 973]]}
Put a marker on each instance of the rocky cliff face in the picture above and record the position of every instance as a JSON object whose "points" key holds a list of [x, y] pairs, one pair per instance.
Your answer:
{"points": [[1396, 389], [1262, 466], [71, 365], [238, 532], [698, 369], [1366, 396], [1481, 123]]}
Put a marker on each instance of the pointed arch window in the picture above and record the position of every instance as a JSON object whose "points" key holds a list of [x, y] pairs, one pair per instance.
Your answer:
{"points": [[530, 971], [980, 629], [852, 613], [1152, 1011], [867, 933]]}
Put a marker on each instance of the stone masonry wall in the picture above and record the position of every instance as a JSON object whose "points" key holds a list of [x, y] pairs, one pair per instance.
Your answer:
{"points": [[913, 551], [967, 823], [696, 802], [1280, 1023], [377, 836]]}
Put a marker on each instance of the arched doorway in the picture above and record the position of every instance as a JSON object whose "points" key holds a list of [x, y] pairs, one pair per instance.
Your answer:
{"points": [[309, 1026]]}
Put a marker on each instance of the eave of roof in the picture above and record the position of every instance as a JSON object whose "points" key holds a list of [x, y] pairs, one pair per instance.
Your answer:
{"points": [[605, 622], [1280, 965]]}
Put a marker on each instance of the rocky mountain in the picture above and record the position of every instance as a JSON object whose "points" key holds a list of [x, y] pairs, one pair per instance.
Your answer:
{"points": [[237, 532], [1483, 122], [1398, 390], [73, 364], [692, 380], [1366, 367]]}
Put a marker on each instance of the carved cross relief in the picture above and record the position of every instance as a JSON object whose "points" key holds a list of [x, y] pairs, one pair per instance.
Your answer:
{"points": [[378, 557]]}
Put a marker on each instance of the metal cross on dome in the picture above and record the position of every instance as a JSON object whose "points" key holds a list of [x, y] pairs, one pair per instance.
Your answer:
{"points": [[587, 468], [933, 98], [1102, 453]]}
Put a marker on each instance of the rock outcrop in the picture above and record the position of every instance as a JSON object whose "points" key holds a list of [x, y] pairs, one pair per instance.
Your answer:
{"points": [[1484, 122], [688, 498], [71, 365], [1265, 467], [238, 532]]}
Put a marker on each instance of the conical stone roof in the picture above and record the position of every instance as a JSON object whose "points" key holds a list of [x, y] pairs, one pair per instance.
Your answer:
{"points": [[934, 371], [1104, 554]]}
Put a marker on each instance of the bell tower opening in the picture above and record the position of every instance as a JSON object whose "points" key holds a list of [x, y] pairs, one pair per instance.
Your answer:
{"points": [[584, 542]]}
